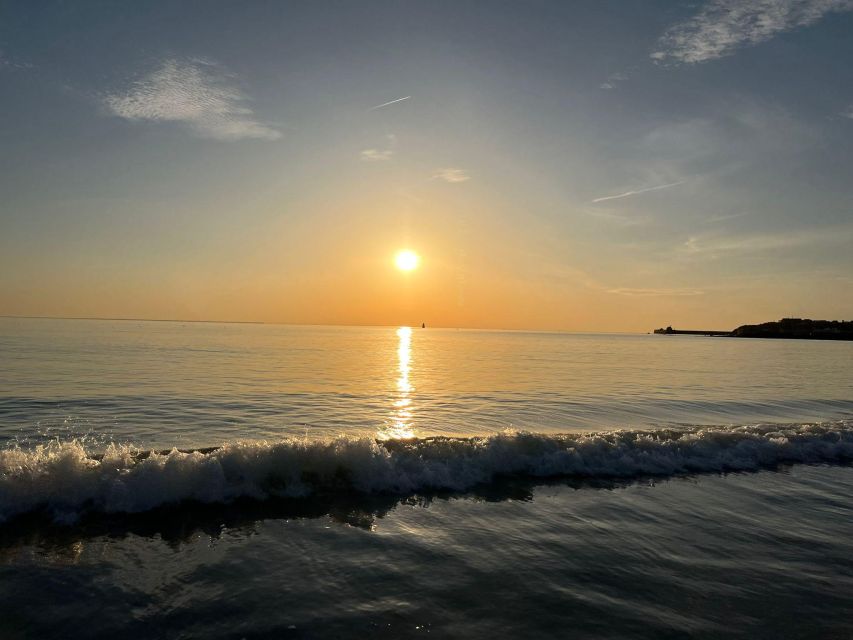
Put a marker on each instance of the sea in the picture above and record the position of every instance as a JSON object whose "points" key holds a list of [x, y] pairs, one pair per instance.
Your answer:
{"points": [[215, 480]]}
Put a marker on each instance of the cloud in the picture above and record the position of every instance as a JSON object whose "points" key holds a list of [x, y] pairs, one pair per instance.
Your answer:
{"points": [[451, 175], [723, 26], [10, 63], [632, 220], [612, 81], [725, 216], [849, 112], [564, 273], [626, 291], [196, 93], [376, 155], [379, 155], [714, 246], [736, 137], [390, 102], [639, 191]]}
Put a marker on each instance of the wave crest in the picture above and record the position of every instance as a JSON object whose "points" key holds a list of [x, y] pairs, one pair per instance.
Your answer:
{"points": [[65, 481]]}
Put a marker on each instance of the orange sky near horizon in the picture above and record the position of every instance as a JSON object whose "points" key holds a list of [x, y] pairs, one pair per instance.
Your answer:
{"points": [[480, 268]]}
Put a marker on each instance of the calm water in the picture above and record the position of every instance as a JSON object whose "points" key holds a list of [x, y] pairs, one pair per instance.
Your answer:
{"points": [[171, 384], [351, 482]]}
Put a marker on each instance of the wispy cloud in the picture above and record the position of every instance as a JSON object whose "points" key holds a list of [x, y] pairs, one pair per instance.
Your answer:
{"points": [[194, 92], [714, 245], [451, 175], [390, 102], [376, 155], [626, 291], [564, 274], [725, 216], [612, 80], [7, 62], [379, 155], [723, 26], [639, 191], [632, 220], [848, 113]]}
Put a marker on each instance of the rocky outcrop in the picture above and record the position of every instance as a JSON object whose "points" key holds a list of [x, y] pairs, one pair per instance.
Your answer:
{"points": [[798, 328]]}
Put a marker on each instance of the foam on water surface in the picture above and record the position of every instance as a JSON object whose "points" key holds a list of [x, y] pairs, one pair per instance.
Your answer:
{"points": [[66, 481]]}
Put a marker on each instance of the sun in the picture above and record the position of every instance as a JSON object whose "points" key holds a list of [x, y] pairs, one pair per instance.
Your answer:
{"points": [[406, 260]]}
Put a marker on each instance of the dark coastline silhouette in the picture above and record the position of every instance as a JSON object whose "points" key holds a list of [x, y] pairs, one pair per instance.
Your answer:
{"points": [[786, 328]]}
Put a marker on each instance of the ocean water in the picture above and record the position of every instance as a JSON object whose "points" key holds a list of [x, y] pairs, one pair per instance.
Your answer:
{"points": [[181, 480]]}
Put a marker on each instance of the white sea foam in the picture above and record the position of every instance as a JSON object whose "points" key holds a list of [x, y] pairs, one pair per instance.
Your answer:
{"points": [[66, 481]]}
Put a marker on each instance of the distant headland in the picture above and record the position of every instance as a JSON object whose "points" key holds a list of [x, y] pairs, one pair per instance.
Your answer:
{"points": [[786, 328]]}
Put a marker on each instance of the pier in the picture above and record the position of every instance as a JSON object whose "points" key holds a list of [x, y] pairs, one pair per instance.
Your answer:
{"points": [[669, 331]]}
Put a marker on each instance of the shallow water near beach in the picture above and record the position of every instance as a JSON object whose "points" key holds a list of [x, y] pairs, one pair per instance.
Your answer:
{"points": [[221, 480]]}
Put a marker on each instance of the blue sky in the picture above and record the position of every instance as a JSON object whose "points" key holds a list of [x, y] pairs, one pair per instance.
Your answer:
{"points": [[559, 165]]}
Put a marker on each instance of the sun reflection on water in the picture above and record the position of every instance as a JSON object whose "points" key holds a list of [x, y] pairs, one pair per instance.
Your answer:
{"points": [[401, 417]]}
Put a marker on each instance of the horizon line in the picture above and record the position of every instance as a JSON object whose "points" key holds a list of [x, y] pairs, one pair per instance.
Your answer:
{"points": [[309, 324], [130, 319]]}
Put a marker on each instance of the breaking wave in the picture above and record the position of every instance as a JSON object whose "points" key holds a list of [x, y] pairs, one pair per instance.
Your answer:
{"points": [[65, 481]]}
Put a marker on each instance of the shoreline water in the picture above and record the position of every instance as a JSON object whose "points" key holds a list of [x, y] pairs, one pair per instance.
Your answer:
{"points": [[312, 482], [759, 555]]}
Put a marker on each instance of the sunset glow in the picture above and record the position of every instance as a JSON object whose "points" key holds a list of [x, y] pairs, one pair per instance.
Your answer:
{"points": [[261, 184], [407, 260], [336, 319]]}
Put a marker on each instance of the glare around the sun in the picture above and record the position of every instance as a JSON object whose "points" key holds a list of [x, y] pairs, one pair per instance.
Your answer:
{"points": [[406, 260]]}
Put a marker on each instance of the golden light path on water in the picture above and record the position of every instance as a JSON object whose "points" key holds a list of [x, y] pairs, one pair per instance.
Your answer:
{"points": [[401, 417]]}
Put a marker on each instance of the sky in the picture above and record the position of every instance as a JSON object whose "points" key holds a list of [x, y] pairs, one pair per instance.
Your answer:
{"points": [[586, 166]]}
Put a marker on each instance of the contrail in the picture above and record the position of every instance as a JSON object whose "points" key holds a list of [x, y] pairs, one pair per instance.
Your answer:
{"points": [[633, 193], [385, 104]]}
